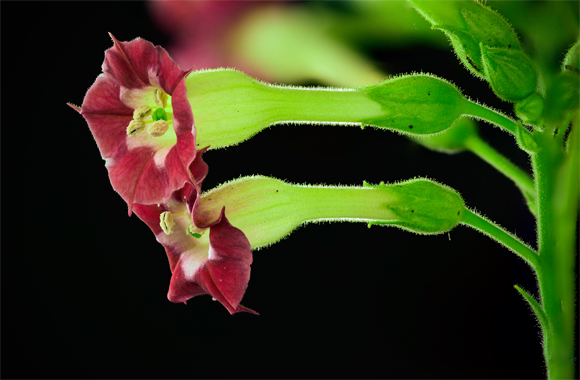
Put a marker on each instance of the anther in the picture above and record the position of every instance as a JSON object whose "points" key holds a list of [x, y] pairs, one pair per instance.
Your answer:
{"points": [[158, 128], [141, 112], [135, 127], [160, 98], [166, 222]]}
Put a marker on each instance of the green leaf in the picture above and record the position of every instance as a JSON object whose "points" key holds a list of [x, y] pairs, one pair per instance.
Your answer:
{"points": [[468, 24], [488, 27], [572, 59], [510, 73], [537, 309], [526, 140], [417, 104], [466, 48]]}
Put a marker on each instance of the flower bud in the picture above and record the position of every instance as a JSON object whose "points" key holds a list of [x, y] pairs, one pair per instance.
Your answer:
{"points": [[530, 109], [418, 104], [510, 73]]}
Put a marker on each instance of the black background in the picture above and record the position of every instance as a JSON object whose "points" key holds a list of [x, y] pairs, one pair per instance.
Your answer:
{"points": [[84, 286]]}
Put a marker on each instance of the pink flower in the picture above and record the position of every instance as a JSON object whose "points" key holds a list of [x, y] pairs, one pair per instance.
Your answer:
{"points": [[209, 259], [202, 31], [142, 122]]}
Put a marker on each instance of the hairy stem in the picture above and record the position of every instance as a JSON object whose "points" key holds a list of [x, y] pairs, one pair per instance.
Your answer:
{"points": [[484, 151], [494, 117], [497, 233], [557, 186]]}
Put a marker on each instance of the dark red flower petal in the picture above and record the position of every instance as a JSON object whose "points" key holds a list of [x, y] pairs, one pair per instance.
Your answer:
{"points": [[133, 64], [181, 290], [229, 261]]}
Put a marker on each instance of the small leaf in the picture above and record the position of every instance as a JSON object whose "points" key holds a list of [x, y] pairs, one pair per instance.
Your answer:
{"points": [[537, 308], [526, 140], [532, 204], [510, 73], [572, 60]]}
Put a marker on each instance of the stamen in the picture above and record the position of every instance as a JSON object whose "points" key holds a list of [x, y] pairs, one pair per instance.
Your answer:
{"points": [[160, 98], [135, 127], [158, 128], [166, 222], [141, 112]]}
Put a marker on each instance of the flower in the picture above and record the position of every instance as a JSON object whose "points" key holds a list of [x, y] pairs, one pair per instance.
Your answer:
{"points": [[142, 122], [209, 259], [201, 31]]}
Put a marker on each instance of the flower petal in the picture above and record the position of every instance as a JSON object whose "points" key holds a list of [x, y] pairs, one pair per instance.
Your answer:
{"points": [[132, 63], [227, 271], [106, 115], [138, 178], [180, 289]]}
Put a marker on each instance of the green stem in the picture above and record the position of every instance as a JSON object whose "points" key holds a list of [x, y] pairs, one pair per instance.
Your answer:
{"points": [[511, 242], [557, 186], [494, 117], [484, 151]]}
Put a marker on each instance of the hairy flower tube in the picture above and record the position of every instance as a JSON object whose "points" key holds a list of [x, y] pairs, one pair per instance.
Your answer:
{"points": [[268, 209], [139, 115]]}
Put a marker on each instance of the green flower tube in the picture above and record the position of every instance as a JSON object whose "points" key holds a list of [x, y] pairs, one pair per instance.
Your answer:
{"points": [[268, 209], [229, 106]]}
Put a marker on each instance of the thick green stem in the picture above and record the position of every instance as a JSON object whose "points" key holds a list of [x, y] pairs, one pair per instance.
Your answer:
{"points": [[483, 150], [557, 186], [491, 229]]}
